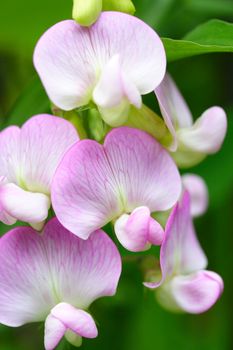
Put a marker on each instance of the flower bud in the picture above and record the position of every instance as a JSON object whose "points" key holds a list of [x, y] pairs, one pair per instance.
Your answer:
{"points": [[119, 5], [86, 12]]}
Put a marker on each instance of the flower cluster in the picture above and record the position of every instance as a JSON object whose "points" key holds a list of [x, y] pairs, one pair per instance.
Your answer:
{"points": [[52, 270]]}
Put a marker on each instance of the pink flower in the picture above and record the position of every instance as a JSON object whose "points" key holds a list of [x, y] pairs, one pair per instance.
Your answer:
{"points": [[122, 181], [185, 285], [191, 141], [55, 277], [112, 63], [29, 157]]}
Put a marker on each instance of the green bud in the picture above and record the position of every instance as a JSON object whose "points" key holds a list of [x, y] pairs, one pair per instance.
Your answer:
{"points": [[150, 268], [119, 5], [86, 12], [145, 119], [73, 338]]}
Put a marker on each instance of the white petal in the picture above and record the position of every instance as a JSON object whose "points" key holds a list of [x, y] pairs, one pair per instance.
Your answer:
{"points": [[208, 132], [23, 205], [173, 107]]}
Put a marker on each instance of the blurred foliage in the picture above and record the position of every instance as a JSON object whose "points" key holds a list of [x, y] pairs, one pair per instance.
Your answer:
{"points": [[133, 320]]}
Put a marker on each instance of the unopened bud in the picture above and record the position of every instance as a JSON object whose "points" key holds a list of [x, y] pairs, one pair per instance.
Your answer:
{"points": [[119, 5], [86, 12]]}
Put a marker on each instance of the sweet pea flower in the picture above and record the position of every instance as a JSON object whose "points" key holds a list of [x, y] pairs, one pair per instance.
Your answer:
{"points": [[185, 285], [29, 157], [122, 181], [112, 63], [54, 277], [191, 141], [198, 192]]}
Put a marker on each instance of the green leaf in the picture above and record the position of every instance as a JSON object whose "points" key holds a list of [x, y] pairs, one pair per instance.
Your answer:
{"points": [[32, 101], [211, 7], [212, 36]]}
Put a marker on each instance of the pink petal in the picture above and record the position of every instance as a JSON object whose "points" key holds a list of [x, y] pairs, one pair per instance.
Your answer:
{"points": [[28, 160], [63, 317], [145, 172], [10, 153], [54, 331], [79, 321], [198, 292], [84, 190], [94, 184], [44, 140], [173, 107], [180, 252], [198, 191], [138, 230], [30, 155], [38, 271], [113, 93], [69, 58], [5, 217], [23, 205], [208, 132]]}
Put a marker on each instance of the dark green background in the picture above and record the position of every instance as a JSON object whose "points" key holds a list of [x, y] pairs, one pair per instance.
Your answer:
{"points": [[133, 320]]}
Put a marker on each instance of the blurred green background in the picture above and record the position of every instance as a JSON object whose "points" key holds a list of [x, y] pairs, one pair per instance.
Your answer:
{"points": [[133, 320]]}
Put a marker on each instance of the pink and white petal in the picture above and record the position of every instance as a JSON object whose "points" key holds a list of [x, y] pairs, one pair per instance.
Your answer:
{"points": [[69, 58], [173, 107], [145, 173], [208, 132], [131, 38], [23, 205], [44, 140], [137, 231], [198, 292], [65, 317], [10, 153], [36, 271], [131, 92], [180, 252], [114, 93], [109, 90], [84, 191], [79, 321], [156, 232], [4, 216], [198, 191], [25, 282], [54, 331], [83, 270], [66, 63]]}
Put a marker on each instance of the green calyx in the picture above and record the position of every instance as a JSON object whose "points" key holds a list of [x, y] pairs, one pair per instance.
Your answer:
{"points": [[119, 5], [73, 338], [86, 12], [147, 120]]}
